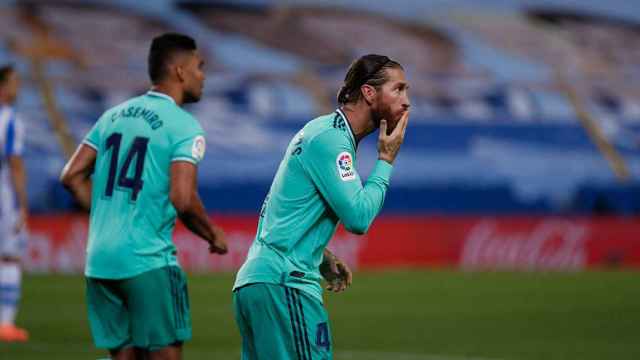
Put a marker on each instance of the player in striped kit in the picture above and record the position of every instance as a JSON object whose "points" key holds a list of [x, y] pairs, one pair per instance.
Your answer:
{"points": [[13, 206]]}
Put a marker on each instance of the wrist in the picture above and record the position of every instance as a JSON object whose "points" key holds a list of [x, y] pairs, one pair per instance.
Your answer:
{"points": [[387, 159], [328, 256]]}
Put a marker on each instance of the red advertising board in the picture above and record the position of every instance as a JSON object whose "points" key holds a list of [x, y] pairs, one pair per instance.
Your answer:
{"points": [[57, 243]]}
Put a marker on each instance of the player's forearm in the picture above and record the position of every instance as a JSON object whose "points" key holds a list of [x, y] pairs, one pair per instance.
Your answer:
{"points": [[83, 194], [81, 191], [367, 203], [363, 210], [76, 174], [195, 218]]}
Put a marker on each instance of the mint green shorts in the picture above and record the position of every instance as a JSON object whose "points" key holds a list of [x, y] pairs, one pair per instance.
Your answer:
{"points": [[149, 311], [281, 323]]}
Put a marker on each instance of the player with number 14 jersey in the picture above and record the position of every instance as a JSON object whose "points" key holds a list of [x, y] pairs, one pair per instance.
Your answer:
{"points": [[136, 141], [137, 172]]}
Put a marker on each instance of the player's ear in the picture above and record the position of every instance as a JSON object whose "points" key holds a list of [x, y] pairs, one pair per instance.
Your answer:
{"points": [[179, 72], [368, 93]]}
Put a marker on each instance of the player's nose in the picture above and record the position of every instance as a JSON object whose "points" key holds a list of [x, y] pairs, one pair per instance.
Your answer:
{"points": [[406, 103]]}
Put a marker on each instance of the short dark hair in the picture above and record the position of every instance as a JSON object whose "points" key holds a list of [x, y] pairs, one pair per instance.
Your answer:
{"points": [[368, 69], [5, 72], [163, 48]]}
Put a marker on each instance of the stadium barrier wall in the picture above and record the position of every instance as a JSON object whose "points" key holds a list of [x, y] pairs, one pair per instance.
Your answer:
{"points": [[57, 243]]}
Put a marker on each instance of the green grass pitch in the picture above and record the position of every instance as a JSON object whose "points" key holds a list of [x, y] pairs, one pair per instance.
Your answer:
{"points": [[398, 315]]}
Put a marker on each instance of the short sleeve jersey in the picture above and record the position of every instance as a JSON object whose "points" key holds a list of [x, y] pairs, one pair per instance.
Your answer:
{"points": [[132, 218]]}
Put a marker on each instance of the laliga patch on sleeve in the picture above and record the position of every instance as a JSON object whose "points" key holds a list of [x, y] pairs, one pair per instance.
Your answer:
{"points": [[344, 162], [198, 148]]}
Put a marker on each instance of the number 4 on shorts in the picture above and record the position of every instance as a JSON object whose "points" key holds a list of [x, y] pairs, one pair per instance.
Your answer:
{"points": [[322, 336]]}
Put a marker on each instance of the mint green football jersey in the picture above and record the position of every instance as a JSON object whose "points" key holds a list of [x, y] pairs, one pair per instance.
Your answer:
{"points": [[132, 218], [316, 186]]}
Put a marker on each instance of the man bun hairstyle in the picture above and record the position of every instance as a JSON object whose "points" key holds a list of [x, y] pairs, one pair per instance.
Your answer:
{"points": [[368, 69], [162, 50]]}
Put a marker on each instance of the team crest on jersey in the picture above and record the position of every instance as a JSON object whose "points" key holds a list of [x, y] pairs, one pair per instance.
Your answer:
{"points": [[199, 147], [344, 163]]}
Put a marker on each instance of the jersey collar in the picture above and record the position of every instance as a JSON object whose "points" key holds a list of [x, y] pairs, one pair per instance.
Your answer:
{"points": [[353, 136], [159, 94]]}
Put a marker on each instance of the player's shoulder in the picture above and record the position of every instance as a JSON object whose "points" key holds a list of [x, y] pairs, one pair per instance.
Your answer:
{"points": [[181, 121], [171, 113], [186, 117], [329, 128], [174, 118]]}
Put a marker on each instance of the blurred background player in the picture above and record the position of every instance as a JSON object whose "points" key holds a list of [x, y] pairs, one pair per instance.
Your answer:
{"points": [[277, 293], [13, 206], [145, 153]]}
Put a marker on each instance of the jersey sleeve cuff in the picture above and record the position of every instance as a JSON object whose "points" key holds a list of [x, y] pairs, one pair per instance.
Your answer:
{"points": [[90, 144], [184, 158], [383, 169]]}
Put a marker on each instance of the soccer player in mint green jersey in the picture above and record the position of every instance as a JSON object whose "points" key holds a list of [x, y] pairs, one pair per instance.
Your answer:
{"points": [[136, 171], [277, 294]]}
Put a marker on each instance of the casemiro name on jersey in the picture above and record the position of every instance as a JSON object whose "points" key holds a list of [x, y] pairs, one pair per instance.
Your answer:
{"points": [[139, 112]]}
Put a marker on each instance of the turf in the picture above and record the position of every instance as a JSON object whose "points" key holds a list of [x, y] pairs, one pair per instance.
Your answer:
{"points": [[400, 315]]}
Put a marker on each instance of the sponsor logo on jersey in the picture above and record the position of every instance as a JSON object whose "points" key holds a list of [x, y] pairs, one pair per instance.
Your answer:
{"points": [[344, 163], [199, 147]]}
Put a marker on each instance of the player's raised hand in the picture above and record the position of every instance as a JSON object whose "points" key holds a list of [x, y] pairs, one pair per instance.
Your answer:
{"points": [[219, 244], [389, 144]]}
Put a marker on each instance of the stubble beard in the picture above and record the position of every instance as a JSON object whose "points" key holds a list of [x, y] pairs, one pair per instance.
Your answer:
{"points": [[189, 97], [383, 113]]}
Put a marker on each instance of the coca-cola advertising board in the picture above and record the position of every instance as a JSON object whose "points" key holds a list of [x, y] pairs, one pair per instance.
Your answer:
{"points": [[57, 243]]}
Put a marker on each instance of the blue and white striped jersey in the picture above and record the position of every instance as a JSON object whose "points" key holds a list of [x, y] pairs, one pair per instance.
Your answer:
{"points": [[11, 144]]}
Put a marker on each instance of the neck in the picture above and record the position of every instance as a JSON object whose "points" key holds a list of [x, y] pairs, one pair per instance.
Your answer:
{"points": [[359, 117], [169, 90]]}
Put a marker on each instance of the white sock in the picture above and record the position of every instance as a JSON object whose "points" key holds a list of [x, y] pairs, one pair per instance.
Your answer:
{"points": [[10, 274]]}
